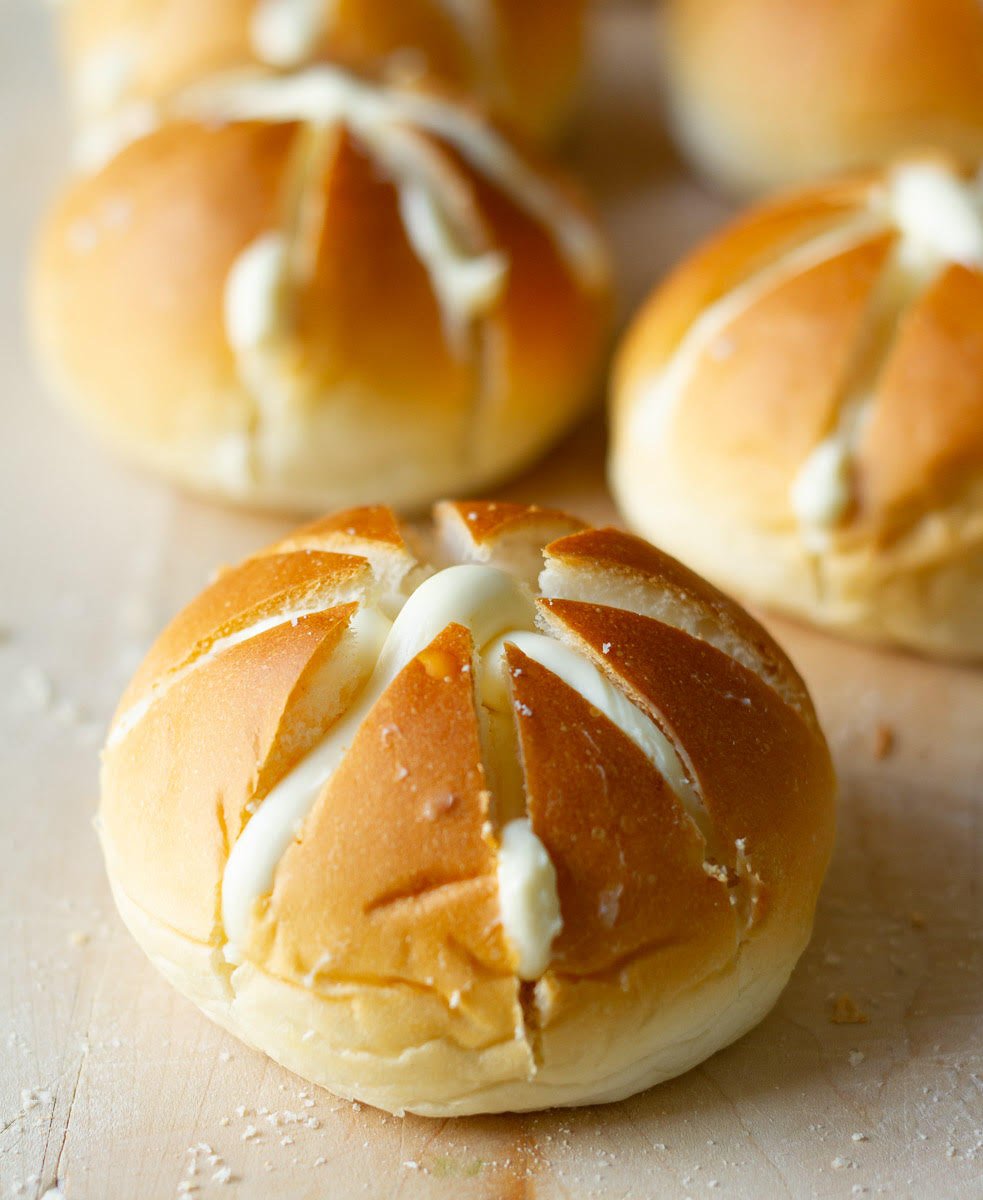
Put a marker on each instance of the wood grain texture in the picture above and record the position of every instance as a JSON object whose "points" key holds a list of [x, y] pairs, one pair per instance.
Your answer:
{"points": [[107, 1077]]}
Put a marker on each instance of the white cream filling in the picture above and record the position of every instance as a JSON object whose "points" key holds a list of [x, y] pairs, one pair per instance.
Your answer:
{"points": [[284, 33], [325, 95], [466, 284], [530, 903], [939, 215], [254, 290], [821, 492], [486, 601], [104, 74]]}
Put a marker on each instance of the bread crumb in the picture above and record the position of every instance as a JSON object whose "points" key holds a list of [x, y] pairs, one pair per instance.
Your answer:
{"points": [[883, 741], [841, 1164], [224, 1121], [222, 1175], [249, 1132], [846, 1011], [410, 1165], [856, 1057], [859, 1137]]}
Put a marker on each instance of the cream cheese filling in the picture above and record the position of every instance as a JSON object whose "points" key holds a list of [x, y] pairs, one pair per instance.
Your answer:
{"points": [[324, 95], [528, 897], [104, 74], [939, 215], [284, 33]]}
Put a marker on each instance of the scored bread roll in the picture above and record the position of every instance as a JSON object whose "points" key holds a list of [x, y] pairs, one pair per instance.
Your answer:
{"points": [[515, 814], [798, 411], [767, 92], [308, 291], [521, 57]]}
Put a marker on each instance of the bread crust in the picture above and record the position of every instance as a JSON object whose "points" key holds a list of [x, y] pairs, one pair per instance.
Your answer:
{"points": [[379, 962], [522, 59], [860, 337], [373, 362], [755, 110]]}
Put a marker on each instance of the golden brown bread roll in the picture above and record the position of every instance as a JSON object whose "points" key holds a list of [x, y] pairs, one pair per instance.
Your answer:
{"points": [[521, 57], [798, 411], [305, 291], [766, 92], [501, 815]]}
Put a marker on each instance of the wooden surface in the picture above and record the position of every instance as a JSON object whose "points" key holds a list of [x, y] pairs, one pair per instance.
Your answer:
{"points": [[107, 1077]]}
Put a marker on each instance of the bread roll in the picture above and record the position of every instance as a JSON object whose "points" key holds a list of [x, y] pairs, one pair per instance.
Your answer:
{"points": [[521, 57], [767, 92], [307, 291], [455, 823], [798, 411]]}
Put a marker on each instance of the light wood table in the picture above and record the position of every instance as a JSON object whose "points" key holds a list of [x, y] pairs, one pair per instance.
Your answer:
{"points": [[107, 1077]]}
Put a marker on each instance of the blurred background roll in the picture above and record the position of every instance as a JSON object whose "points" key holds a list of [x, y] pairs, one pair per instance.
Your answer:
{"points": [[798, 410], [520, 57], [307, 290], [764, 92]]}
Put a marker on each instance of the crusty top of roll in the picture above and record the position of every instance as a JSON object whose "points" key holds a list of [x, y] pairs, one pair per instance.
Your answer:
{"points": [[397, 729], [818, 365], [520, 58], [330, 290], [767, 92]]}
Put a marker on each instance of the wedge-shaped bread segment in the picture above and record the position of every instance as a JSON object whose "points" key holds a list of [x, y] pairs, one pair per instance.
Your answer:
{"points": [[608, 566], [414, 901], [176, 790], [924, 437], [510, 536], [771, 806], [628, 860], [261, 589], [754, 405]]}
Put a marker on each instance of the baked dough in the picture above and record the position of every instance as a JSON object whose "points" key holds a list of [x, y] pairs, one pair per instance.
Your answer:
{"points": [[307, 291], [798, 411], [450, 822]]}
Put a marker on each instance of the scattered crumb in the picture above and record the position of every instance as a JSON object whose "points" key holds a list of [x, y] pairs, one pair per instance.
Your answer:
{"points": [[917, 920], [79, 937], [859, 1137], [410, 1165], [832, 959], [856, 1057], [224, 1121], [883, 741], [36, 687], [846, 1011], [250, 1132], [841, 1164], [223, 1175]]}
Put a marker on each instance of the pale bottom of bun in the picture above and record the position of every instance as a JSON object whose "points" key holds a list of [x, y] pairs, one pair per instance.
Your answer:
{"points": [[924, 593], [609, 1045], [333, 456]]}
